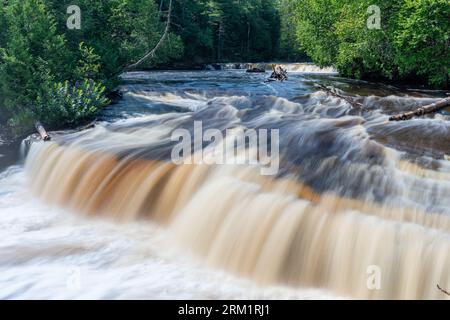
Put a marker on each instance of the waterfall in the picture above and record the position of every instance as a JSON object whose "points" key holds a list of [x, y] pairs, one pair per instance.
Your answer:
{"points": [[271, 230], [359, 205]]}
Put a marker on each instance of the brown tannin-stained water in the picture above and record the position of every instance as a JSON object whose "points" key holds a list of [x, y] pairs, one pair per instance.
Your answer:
{"points": [[354, 193]]}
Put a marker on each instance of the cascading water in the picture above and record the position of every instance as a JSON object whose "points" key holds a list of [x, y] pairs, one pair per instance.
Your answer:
{"points": [[353, 191], [290, 67]]}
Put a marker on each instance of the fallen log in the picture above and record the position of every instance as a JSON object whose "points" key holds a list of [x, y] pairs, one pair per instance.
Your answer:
{"points": [[333, 93], [278, 74], [431, 108], [42, 132]]}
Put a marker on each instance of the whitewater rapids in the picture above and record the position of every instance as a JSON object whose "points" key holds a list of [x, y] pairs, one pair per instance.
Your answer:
{"points": [[104, 213]]}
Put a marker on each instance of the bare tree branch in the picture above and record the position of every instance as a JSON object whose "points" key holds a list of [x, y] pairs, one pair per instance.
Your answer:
{"points": [[333, 93], [151, 54], [444, 291]]}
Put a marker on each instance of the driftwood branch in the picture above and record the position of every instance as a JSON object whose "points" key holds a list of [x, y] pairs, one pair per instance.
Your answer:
{"points": [[333, 93], [431, 108], [278, 74], [444, 291], [42, 132], [151, 54]]}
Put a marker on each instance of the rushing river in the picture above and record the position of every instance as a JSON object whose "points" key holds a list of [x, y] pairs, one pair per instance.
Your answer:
{"points": [[105, 213]]}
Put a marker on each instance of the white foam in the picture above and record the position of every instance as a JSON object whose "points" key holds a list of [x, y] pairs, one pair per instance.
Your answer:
{"points": [[49, 253]]}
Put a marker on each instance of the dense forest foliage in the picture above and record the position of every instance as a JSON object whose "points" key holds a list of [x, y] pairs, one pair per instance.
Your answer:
{"points": [[411, 42], [62, 76], [227, 30]]}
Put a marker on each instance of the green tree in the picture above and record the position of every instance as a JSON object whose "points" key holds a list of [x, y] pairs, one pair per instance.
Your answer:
{"points": [[422, 39], [61, 76], [289, 48], [364, 52], [315, 23], [412, 43], [227, 30], [33, 54], [118, 31], [192, 22]]}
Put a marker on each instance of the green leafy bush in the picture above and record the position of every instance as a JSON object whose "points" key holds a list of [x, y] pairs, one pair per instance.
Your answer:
{"points": [[65, 104]]}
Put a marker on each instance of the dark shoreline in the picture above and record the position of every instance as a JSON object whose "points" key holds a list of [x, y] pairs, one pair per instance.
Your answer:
{"points": [[9, 152]]}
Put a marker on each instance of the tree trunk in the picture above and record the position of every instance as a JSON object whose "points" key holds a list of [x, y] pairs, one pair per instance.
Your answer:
{"points": [[248, 39], [432, 108], [219, 41]]}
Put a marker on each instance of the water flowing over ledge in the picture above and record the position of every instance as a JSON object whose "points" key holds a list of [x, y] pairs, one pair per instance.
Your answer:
{"points": [[353, 190], [290, 67]]}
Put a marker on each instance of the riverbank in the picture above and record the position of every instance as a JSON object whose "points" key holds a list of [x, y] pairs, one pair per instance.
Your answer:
{"points": [[9, 152]]}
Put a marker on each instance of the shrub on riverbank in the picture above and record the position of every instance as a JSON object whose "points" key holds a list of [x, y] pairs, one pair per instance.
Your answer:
{"points": [[65, 103]]}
